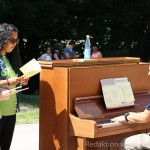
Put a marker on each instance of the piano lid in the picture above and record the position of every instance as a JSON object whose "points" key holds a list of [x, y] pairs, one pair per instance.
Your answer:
{"points": [[89, 62]]}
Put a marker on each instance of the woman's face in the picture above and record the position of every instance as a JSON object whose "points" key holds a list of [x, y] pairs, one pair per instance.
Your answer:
{"points": [[95, 49], [11, 43], [48, 50]]}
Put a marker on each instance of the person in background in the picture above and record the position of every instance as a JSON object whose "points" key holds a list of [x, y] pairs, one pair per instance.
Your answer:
{"points": [[47, 55], [56, 54], [139, 141], [69, 52], [10, 62], [95, 52]]}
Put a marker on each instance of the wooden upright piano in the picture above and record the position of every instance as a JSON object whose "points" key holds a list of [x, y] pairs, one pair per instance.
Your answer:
{"points": [[72, 107]]}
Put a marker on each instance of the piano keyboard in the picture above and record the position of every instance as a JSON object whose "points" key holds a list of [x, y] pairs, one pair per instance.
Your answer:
{"points": [[106, 123]]}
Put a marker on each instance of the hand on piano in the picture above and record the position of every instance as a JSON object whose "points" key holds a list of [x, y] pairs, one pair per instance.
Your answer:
{"points": [[121, 119]]}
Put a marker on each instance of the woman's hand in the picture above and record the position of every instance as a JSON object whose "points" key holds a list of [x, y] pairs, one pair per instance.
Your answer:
{"points": [[6, 93], [16, 80], [24, 81]]}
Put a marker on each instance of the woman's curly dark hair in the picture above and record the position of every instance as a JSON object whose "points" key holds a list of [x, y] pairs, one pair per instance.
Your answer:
{"points": [[13, 57]]}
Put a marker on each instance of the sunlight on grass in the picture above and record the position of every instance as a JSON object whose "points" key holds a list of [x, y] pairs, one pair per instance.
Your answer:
{"points": [[28, 117], [29, 113]]}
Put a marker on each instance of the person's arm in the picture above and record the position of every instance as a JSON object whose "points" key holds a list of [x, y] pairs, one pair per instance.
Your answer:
{"points": [[92, 56], [67, 55], [10, 81], [4, 82], [75, 56], [47, 57], [100, 55], [40, 58], [14, 81], [140, 117], [56, 56]]}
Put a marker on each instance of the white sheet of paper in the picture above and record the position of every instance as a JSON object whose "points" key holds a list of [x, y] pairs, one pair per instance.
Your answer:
{"points": [[128, 92], [31, 68], [111, 96], [117, 92]]}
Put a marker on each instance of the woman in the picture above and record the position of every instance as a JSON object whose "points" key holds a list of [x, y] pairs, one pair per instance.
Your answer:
{"points": [[10, 63], [95, 52], [47, 55], [56, 54]]}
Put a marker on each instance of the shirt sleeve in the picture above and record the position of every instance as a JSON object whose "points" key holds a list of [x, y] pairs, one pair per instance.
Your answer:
{"points": [[66, 50], [148, 106], [48, 57]]}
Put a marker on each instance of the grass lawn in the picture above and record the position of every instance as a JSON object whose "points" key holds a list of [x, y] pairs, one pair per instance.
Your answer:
{"points": [[29, 106]]}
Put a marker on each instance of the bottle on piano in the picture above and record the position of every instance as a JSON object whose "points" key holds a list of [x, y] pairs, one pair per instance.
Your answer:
{"points": [[87, 49]]}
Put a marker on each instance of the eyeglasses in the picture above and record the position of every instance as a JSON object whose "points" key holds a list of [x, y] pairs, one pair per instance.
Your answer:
{"points": [[13, 41]]}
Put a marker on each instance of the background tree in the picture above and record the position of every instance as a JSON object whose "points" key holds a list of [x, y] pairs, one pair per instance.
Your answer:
{"points": [[121, 28]]}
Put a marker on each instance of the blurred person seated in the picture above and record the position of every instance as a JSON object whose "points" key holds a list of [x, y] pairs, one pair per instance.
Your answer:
{"points": [[47, 55], [56, 54], [95, 52], [69, 52]]}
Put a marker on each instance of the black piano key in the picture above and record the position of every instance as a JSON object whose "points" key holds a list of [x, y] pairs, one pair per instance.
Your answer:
{"points": [[105, 122]]}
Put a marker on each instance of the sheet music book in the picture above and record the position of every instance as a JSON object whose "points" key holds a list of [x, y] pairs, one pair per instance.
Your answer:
{"points": [[31, 68], [117, 92]]}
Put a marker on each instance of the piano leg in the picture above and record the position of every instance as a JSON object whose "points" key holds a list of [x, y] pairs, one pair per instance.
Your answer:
{"points": [[81, 143]]}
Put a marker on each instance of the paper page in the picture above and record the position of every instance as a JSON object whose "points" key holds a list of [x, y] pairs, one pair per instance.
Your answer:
{"points": [[128, 92], [30, 74], [111, 96], [120, 80], [31, 68], [121, 92], [117, 92]]}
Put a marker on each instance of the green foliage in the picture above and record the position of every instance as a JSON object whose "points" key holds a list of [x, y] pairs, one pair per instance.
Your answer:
{"points": [[40, 21]]}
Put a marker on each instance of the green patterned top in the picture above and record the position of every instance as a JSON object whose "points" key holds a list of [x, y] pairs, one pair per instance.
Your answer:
{"points": [[8, 107]]}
